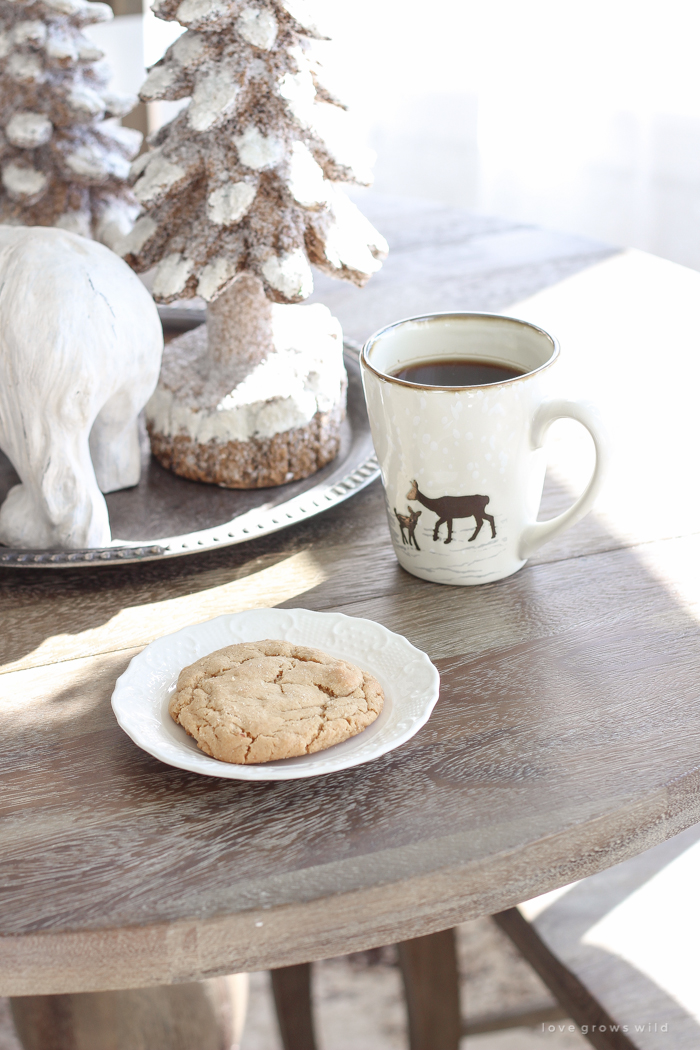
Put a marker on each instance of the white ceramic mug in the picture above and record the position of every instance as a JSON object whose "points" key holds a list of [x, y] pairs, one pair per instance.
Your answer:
{"points": [[463, 467]]}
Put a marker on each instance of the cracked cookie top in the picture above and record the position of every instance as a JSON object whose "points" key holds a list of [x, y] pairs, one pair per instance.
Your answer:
{"points": [[262, 701]]}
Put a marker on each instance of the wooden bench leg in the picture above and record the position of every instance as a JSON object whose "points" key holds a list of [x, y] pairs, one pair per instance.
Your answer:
{"points": [[291, 987], [429, 969], [578, 1002], [202, 1015]]}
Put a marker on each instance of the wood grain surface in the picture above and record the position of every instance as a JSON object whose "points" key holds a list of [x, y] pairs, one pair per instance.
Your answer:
{"points": [[565, 738]]}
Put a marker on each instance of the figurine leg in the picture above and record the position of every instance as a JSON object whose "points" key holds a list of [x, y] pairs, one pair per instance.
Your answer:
{"points": [[58, 503], [114, 443]]}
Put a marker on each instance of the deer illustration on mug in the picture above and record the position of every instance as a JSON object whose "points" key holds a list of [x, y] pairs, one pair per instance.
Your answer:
{"points": [[448, 508], [407, 524]]}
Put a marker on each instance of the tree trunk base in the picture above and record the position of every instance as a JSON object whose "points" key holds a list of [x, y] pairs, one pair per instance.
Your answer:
{"points": [[255, 464], [244, 423]]}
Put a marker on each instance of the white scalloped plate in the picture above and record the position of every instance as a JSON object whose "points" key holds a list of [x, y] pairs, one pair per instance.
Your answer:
{"points": [[410, 681]]}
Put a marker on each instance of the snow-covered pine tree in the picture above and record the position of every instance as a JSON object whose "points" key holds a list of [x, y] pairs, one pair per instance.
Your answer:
{"points": [[63, 160], [240, 195], [243, 179]]}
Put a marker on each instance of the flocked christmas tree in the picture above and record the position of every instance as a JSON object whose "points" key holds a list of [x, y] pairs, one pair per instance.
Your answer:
{"points": [[63, 161], [240, 196]]}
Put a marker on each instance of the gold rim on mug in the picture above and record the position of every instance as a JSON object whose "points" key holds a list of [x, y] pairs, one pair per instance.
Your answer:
{"points": [[457, 315]]}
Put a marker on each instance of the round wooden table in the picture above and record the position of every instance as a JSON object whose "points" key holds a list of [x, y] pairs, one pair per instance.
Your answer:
{"points": [[566, 735]]}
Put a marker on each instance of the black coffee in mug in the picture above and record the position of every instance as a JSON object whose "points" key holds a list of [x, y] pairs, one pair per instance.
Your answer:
{"points": [[457, 372]]}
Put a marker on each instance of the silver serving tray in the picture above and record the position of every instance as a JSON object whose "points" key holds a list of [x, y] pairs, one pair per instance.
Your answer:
{"points": [[166, 516]]}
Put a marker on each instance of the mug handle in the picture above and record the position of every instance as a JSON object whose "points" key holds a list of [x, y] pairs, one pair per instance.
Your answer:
{"points": [[539, 532]]}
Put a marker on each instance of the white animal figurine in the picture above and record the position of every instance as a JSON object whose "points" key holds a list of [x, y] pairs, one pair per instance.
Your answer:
{"points": [[80, 351]]}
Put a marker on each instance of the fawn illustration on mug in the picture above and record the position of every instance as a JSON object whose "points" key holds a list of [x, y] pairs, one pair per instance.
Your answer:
{"points": [[448, 508], [407, 524]]}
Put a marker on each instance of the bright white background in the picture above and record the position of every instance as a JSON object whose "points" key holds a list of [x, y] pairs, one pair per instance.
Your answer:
{"points": [[583, 116]]}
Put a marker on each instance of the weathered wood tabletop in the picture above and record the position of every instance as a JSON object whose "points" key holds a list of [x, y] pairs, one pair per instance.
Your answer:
{"points": [[566, 737]]}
